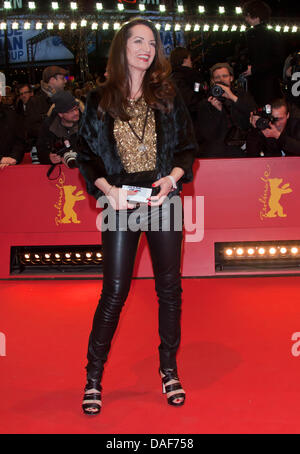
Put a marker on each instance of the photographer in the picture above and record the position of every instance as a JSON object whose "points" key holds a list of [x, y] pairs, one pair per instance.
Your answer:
{"points": [[265, 52], [189, 81], [274, 134], [223, 119], [59, 131]]}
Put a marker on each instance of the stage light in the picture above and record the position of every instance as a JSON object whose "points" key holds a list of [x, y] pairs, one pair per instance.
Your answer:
{"points": [[55, 5], [294, 29], [168, 27], [225, 28], [158, 26], [116, 26], [94, 26], [272, 255], [15, 26], [142, 7], [234, 28], [31, 5], [243, 28], [7, 5], [27, 25], [177, 27], [162, 8], [38, 26], [206, 28], [73, 6], [61, 26], [105, 26], [221, 10], [3, 26], [73, 25], [188, 27], [278, 28], [83, 23], [269, 27], [50, 26], [99, 6], [215, 27], [238, 10], [180, 8], [196, 27], [72, 259], [120, 7], [286, 29], [201, 9]]}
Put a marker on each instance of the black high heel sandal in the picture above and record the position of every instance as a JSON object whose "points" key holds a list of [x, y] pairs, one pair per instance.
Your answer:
{"points": [[92, 403], [167, 376]]}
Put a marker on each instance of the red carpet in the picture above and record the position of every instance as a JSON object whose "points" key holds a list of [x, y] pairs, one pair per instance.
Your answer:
{"points": [[235, 361]]}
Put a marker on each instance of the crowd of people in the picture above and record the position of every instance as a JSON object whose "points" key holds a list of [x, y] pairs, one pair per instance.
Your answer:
{"points": [[43, 121]]}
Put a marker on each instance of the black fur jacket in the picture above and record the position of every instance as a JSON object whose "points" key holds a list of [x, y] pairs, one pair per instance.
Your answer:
{"points": [[98, 155]]}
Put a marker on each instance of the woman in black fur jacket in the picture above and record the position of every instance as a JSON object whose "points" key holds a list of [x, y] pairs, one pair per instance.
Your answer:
{"points": [[136, 133]]}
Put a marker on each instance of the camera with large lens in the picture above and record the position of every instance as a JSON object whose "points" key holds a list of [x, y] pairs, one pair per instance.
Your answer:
{"points": [[265, 117], [216, 91], [69, 156]]}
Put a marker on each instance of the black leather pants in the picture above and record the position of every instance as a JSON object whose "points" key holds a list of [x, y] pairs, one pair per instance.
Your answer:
{"points": [[119, 251]]}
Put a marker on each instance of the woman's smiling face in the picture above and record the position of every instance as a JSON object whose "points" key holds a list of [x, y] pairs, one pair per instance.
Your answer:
{"points": [[141, 48]]}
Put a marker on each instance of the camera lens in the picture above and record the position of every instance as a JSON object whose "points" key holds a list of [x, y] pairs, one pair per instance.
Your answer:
{"points": [[70, 159], [217, 91]]}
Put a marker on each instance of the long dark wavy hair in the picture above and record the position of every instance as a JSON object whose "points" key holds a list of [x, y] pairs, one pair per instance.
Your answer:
{"points": [[157, 88]]}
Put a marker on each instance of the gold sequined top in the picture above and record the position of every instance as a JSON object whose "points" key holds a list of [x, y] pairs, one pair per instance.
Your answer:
{"points": [[134, 157]]}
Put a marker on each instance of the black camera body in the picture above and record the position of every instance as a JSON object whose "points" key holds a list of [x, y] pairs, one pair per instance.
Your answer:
{"points": [[69, 156], [265, 117]]}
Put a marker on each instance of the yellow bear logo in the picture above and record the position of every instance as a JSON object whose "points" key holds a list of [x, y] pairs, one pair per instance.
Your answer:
{"points": [[70, 200], [276, 191]]}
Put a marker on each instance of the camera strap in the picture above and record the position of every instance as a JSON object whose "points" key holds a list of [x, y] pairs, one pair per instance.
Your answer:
{"points": [[50, 170]]}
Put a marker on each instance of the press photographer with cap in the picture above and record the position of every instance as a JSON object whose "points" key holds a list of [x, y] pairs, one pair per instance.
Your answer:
{"points": [[53, 81], [59, 131], [223, 118]]}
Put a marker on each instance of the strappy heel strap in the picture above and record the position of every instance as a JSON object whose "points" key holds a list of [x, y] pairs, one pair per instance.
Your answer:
{"points": [[168, 376], [92, 403]]}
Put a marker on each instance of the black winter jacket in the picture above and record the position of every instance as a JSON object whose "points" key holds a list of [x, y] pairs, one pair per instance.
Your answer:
{"points": [[98, 155]]}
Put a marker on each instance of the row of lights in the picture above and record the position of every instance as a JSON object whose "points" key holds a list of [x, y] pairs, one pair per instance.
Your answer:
{"points": [[120, 6], [261, 252], [60, 257], [177, 27], [105, 26]]}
